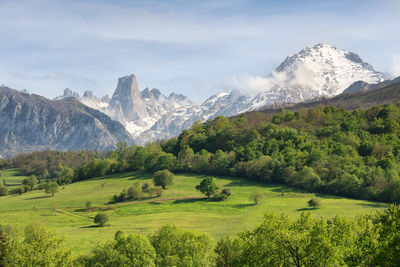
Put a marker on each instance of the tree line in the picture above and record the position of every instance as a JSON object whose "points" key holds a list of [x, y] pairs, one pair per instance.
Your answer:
{"points": [[368, 240]]}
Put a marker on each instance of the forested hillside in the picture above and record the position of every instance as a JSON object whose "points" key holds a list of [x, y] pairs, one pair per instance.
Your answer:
{"points": [[324, 149]]}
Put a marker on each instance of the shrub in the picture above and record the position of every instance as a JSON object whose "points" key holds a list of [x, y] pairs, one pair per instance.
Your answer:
{"points": [[224, 194], [135, 191]]}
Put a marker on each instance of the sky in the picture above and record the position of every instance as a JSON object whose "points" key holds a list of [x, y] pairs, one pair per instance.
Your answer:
{"points": [[196, 48]]}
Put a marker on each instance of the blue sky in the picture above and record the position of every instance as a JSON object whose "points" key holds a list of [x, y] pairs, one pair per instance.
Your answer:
{"points": [[192, 47]]}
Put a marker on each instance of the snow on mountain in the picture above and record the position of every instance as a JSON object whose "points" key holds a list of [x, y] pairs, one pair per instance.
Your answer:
{"points": [[322, 70], [148, 115]]}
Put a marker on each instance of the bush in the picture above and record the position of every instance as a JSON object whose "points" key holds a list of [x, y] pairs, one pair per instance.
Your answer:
{"points": [[223, 195], [100, 219], [226, 191], [135, 191], [163, 178]]}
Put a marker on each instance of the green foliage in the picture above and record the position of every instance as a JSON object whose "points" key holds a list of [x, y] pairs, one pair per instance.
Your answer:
{"points": [[3, 190], [228, 252], [280, 241], [50, 188], [88, 205], [314, 203], [256, 196], [100, 219], [35, 247], [163, 178], [31, 181], [176, 247], [135, 192], [207, 187], [133, 250]]}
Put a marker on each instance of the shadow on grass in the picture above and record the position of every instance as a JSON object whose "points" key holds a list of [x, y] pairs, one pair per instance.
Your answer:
{"points": [[192, 200], [241, 206], [91, 226], [328, 196], [306, 209], [37, 197], [373, 205]]}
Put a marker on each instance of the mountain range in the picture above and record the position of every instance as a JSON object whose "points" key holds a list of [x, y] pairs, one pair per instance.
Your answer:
{"points": [[140, 116]]}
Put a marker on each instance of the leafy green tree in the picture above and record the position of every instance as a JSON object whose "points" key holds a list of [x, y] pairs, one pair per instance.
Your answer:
{"points": [[207, 186], [256, 196], [31, 181], [228, 252], [50, 188], [200, 161], [41, 247], [177, 247], [314, 202], [88, 205], [163, 178], [185, 157], [133, 250], [279, 241], [100, 219]]}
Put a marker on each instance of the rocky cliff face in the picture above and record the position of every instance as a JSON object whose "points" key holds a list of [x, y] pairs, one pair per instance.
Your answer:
{"points": [[128, 100], [30, 122]]}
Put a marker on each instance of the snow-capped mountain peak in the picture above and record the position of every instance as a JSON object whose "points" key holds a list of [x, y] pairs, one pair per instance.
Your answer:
{"points": [[322, 70]]}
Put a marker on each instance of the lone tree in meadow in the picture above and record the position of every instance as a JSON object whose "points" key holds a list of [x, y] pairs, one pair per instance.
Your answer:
{"points": [[89, 205], [207, 187], [100, 219], [314, 202], [163, 178], [50, 188], [256, 196]]}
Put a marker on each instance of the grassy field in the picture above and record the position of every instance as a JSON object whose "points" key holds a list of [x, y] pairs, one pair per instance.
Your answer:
{"points": [[180, 204], [11, 178]]}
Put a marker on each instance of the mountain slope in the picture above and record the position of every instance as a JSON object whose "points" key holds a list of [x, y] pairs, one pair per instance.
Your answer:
{"points": [[364, 99], [36, 123]]}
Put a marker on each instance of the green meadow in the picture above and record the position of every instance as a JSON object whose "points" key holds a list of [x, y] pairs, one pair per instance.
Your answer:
{"points": [[180, 204], [11, 178]]}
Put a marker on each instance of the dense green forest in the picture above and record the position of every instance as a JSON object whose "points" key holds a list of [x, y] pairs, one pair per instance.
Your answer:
{"points": [[369, 240], [324, 149]]}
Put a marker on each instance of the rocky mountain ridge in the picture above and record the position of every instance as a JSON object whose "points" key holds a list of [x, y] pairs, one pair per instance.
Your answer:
{"points": [[31, 122]]}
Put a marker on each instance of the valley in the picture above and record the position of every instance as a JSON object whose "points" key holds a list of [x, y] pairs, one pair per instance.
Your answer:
{"points": [[180, 204]]}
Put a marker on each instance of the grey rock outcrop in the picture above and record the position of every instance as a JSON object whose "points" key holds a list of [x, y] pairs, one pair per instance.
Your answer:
{"points": [[31, 122]]}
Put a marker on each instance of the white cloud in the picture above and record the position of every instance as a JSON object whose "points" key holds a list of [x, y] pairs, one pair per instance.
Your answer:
{"points": [[396, 65]]}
